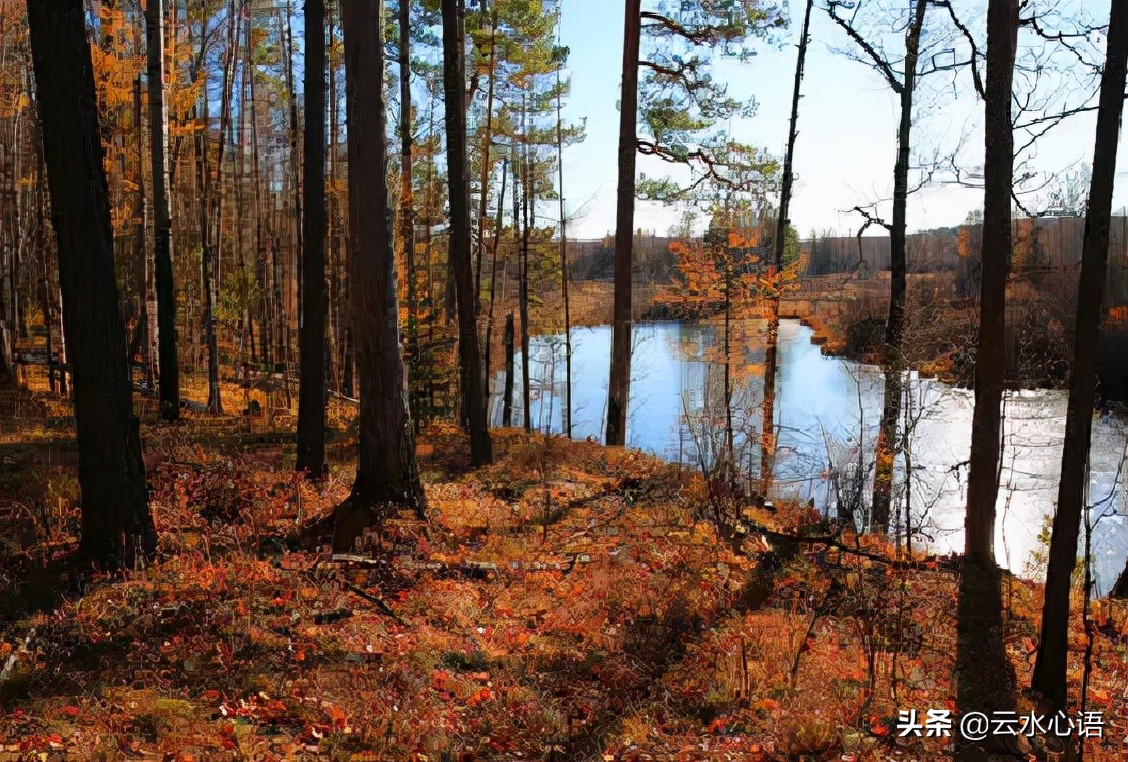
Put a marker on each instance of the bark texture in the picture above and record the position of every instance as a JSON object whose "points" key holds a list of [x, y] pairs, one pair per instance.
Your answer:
{"points": [[116, 525], [469, 353], [618, 387], [407, 209], [985, 680], [387, 477], [311, 335], [168, 365]]}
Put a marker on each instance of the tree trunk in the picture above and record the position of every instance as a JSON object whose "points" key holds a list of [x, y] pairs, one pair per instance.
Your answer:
{"points": [[244, 327], [140, 340], [262, 270], [728, 457], [892, 361], [8, 234], [566, 417], [493, 280], [985, 680], [407, 208], [1120, 589], [523, 278], [771, 353], [618, 388], [207, 254], [206, 271], [295, 176], [7, 366], [386, 475], [1050, 668], [40, 244], [336, 308], [48, 317], [225, 121], [507, 400], [470, 359], [484, 177], [168, 364], [116, 524], [311, 393]]}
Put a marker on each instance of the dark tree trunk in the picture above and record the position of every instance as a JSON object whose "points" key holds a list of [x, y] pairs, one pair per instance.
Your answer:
{"points": [[212, 252], [337, 310], [168, 365], [48, 318], [7, 373], [8, 233], [207, 266], [386, 475], [771, 353], [470, 358], [262, 269], [985, 680], [523, 279], [493, 279], [1120, 589], [344, 352], [566, 417], [484, 177], [140, 341], [728, 457], [507, 401], [407, 208], [1050, 668], [295, 165], [618, 388], [40, 244], [117, 527], [311, 392], [892, 361]]}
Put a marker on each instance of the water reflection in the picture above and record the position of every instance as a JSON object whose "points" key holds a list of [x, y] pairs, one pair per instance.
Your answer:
{"points": [[827, 413]]}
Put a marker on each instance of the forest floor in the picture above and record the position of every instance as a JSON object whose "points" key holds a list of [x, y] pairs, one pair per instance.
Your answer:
{"points": [[569, 602]]}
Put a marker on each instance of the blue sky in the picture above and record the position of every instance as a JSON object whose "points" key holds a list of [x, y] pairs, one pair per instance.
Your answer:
{"points": [[845, 150]]}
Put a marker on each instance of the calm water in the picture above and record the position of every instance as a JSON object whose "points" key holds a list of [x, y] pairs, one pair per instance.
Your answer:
{"points": [[827, 408]]}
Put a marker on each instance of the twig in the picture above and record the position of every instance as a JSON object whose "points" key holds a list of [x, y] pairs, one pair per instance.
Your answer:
{"points": [[380, 603]]}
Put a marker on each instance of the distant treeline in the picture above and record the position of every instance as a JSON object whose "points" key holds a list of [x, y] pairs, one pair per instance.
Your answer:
{"points": [[1041, 245], [595, 259]]}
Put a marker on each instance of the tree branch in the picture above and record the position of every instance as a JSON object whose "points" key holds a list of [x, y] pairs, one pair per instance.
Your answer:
{"points": [[879, 63], [699, 36], [975, 54]]}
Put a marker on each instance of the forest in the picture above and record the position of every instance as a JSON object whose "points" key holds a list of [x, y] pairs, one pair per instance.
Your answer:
{"points": [[325, 435]]}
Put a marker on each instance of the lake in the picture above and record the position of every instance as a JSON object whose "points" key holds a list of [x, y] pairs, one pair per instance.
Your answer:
{"points": [[826, 408]]}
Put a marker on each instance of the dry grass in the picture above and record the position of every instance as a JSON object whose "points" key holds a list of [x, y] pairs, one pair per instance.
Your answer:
{"points": [[568, 600]]}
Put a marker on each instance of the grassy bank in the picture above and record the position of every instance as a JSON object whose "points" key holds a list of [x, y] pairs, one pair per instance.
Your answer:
{"points": [[568, 602]]}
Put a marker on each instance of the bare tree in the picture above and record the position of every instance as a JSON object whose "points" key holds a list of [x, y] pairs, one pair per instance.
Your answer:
{"points": [[1050, 668], [387, 476], [771, 352], [618, 388], [985, 679], [470, 358], [407, 203], [167, 361], [117, 526], [892, 361], [311, 337]]}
